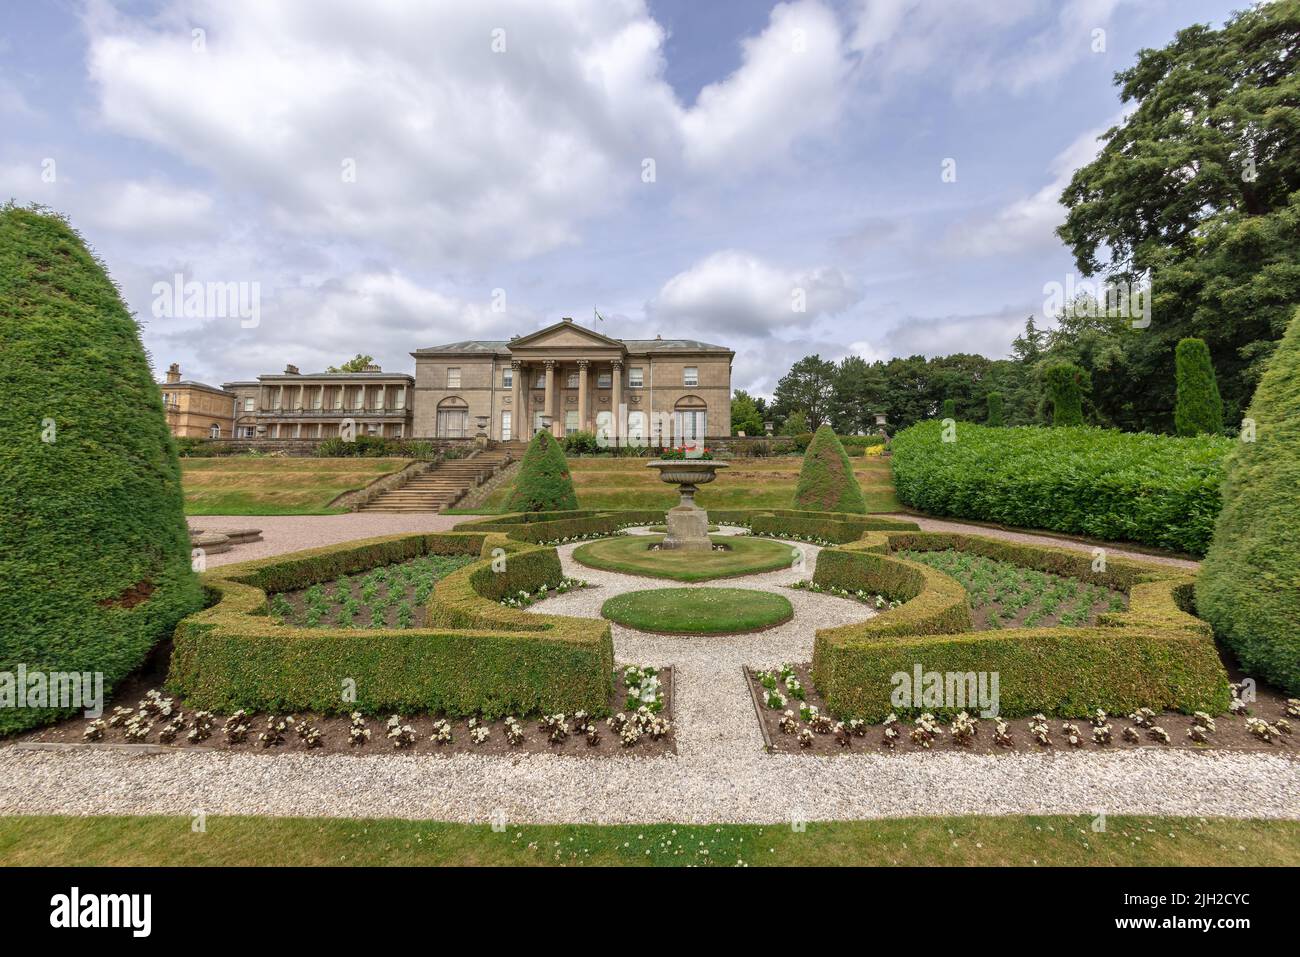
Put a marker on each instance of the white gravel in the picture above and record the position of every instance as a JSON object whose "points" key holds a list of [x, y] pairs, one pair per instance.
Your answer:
{"points": [[720, 773]]}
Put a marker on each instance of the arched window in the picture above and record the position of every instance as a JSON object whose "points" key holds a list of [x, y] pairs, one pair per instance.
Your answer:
{"points": [[214, 432], [690, 421], [453, 418]]}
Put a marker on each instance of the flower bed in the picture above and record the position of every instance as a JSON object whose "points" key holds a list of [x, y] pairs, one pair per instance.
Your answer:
{"points": [[1154, 654], [640, 723], [797, 720], [472, 657]]}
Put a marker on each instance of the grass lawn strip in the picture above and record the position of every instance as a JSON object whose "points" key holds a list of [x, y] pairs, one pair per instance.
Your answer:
{"points": [[632, 555], [698, 611], [984, 841], [263, 485]]}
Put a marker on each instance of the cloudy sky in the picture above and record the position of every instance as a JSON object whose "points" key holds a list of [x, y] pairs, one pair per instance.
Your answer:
{"points": [[395, 174]]}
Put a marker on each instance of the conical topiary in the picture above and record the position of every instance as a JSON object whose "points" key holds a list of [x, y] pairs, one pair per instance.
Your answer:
{"points": [[1198, 408], [94, 551], [543, 483], [1249, 585], [826, 481]]}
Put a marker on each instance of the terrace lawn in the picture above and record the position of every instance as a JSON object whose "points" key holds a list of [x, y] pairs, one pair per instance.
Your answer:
{"points": [[983, 841], [607, 482], [257, 485]]}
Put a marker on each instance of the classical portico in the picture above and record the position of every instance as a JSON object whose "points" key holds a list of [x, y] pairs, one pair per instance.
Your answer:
{"points": [[569, 378]]}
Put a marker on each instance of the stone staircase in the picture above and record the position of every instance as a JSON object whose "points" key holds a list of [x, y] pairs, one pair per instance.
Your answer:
{"points": [[443, 485]]}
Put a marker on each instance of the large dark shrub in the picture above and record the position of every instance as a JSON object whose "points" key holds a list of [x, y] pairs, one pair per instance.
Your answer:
{"points": [[94, 552], [1123, 486], [826, 481], [995, 410], [1249, 586], [1066, 386], [544, 483], [1198, 407]]}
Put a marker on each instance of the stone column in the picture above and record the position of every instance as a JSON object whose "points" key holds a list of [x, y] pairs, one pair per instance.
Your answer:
{"points": [[616, 401], [548, 403], [518, 401], [582, 394]]}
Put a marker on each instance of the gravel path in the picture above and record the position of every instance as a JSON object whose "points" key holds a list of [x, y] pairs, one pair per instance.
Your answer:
{"points": [[1036, 538], [292, 533], [720, 773]]}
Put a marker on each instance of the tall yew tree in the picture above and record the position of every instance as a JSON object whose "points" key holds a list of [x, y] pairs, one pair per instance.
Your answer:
{"points": [[1199, 187], [1199, 407]]}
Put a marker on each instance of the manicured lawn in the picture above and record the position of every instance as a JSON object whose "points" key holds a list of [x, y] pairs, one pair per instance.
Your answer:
{"points": [[604, 482], [698, 611], [631, 554], [246, 485], [985, 841]]}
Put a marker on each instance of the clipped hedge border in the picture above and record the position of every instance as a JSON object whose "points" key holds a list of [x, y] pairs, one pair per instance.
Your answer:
{"points": [[1155, 654], [473, 657], [559, 526]]}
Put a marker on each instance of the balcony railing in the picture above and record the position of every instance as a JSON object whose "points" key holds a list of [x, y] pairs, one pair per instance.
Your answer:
{"points": [[333, 413]]}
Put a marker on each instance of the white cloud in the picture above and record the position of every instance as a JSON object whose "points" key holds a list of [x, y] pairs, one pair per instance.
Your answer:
{"points": [[153, 208], [460, 152], [1029, 222], [790, 83], [974, 41], [737, 293]]}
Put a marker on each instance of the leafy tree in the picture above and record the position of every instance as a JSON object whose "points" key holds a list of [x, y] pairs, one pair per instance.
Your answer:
{"points": [[357, 363], [808, 387], [859, 391], [1247, 588], [826, 481], [1066, 386], [796, 423], [1199, 408], [94, 551], [745, 416], [1199, 187], [995, 409], [543, 483]]}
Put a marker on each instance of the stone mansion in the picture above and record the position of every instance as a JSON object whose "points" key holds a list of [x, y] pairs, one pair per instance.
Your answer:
{"points": [[565, 377]]}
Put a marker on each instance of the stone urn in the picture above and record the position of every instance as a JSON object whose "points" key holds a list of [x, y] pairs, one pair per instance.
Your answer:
{"points": [[688, 524]]}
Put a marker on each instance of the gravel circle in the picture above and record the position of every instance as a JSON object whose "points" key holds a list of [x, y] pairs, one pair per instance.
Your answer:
{"points": [[720, 773]]}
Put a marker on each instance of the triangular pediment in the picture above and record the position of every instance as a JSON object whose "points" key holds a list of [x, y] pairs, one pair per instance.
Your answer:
{"points": [[563, 335]]}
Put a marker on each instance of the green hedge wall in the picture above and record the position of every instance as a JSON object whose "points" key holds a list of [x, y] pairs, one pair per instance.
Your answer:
{"points": [[1153, 655], [489, 660], [1157, 490]]}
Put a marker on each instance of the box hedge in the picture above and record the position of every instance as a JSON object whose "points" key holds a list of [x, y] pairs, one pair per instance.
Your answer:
{"points": [[1155, 654], [94, 551], [474, 656]]}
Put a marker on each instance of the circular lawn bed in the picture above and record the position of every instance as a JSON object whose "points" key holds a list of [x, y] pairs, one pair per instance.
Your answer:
{"points": [[636, 555], [698, 611]]}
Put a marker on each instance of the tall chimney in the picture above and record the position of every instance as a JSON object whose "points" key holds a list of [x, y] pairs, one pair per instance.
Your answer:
{"points": [[174, 372]]}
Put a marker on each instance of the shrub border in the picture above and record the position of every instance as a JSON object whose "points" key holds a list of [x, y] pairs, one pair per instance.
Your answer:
{"points": [[1155, 654], [474, 656]]}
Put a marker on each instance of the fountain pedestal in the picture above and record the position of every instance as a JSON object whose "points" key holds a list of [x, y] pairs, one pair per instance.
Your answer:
{"points": [[688, 524]]}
